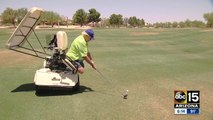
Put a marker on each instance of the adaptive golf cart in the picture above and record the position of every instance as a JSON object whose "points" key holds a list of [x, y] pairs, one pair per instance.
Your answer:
{"points": [[57, 71]]}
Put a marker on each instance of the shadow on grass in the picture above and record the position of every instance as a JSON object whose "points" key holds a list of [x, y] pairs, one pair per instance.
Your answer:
{"points": [[51, 91], [25, 88]]}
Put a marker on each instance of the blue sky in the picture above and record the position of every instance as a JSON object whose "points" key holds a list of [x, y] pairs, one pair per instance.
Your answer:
{"points": [[150, 10]]}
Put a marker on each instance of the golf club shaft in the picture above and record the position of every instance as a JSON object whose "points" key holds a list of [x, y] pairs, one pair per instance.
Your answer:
{"points": [[99, 72], [107, 80], [103, 76]]}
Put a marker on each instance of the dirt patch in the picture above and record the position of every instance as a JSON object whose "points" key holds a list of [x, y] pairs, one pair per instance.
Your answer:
{"points": [[143, 33], [62, 27], [147, 43], [10, 58], [207, 30]]}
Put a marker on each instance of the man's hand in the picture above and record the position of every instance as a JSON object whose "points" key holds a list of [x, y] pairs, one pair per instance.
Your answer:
{"points": [[93, 65], [88, 60]]}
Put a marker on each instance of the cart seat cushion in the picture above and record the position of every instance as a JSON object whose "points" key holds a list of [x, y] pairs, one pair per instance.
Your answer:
{"points": [[62, 40]]}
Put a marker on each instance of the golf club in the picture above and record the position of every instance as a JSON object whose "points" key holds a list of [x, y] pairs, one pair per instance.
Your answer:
{"points": [[124, 94], [102, 75]]}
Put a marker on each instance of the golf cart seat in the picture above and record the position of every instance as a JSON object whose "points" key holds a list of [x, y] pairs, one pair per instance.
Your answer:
{"points": [[62, 47], [61, 40]]}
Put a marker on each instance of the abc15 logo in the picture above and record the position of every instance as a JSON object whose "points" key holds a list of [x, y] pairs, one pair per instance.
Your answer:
{"points": [[184, 96]]}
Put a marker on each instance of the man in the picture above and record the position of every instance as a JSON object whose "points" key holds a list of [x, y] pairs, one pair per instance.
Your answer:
{"points": [[78, 51]]}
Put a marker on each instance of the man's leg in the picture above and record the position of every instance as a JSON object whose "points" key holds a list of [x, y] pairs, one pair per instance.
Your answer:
{"points": [[80, 66], [81, 70]]}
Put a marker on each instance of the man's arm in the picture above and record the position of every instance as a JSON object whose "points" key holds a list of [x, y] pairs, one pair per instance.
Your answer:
{"points": [[89, 61], [89, 55]]}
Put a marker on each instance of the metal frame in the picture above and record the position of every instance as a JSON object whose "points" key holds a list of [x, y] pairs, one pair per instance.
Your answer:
{"points": [[31, 49]]}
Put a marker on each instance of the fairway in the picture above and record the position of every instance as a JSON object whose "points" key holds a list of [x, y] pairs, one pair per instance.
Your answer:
{"points": [[150, 63]]}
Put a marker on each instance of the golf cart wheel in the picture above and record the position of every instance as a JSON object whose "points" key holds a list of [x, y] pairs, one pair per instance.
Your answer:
{"points": [[77, 85]]}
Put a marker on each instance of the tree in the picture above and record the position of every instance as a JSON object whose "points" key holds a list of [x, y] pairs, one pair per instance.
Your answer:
{"points": [[133, 21], [197, 23], [209, 18], [141, 22], [94, 16], [126, 21], [105, 22], [50, 17], [9, 16], [158, 25], [116, 20], [80, 17], [20, 14], [175, 24], [182, 24], [136, 22], [188, 23]]}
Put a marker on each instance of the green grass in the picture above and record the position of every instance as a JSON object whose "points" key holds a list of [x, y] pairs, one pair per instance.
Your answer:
{"points": [[150, 63]]}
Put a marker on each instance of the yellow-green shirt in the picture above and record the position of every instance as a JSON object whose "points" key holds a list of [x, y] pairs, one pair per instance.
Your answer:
{"points": [[78, 49]]}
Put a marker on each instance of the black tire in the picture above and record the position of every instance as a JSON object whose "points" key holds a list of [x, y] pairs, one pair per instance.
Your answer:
{"points": [[77, 85]]}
